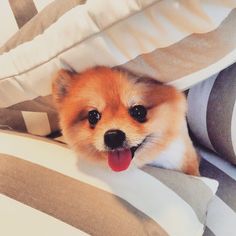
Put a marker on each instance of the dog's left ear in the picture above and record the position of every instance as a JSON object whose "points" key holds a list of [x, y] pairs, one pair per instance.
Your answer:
{"points": [[61, 84]]}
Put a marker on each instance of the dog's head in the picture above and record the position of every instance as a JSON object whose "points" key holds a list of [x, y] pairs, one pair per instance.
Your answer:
{"points": [[111, 116]]}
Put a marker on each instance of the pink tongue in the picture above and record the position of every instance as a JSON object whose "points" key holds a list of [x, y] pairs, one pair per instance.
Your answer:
{"points": [[119, 160]]}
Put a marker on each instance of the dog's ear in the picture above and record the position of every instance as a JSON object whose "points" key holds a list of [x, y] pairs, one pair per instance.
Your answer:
{"points": [[61, 84]]}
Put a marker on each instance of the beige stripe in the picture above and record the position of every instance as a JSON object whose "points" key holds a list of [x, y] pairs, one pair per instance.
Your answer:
{"points": [[199, 204], [39, 104], [93, 34], [41, 22], [9, 27], [36, 122], [193, 53], [78, 204], [34, 137], [23, 11], [159, 197], [19, 219], [41, 4], [186, 25], [34, 112]]}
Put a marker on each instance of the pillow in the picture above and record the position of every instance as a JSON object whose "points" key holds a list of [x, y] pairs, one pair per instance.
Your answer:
{"points": [[60, 195], [38, 24], [36, 116], [176, 42], [16, 14], [212, 113], [221, 214]]}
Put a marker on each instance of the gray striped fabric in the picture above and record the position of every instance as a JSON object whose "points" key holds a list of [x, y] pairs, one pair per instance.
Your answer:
{"points": [[227, 187], [208, 232], [222, 210], [212, 113], [92, 200], [174, 181]]}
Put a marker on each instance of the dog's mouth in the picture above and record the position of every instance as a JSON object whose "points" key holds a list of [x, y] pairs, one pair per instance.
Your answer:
{"points": [[120, 159]]}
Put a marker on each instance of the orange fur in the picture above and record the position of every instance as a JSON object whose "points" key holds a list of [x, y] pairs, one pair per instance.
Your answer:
{"points": [[112, 92]]}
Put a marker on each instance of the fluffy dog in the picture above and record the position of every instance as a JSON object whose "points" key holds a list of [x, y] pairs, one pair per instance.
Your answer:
{"points": [[110, 116]]}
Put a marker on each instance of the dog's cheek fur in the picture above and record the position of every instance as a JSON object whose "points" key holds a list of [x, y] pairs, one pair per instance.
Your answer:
{"points": [[81, 140], [77, 133], [165, 123]]}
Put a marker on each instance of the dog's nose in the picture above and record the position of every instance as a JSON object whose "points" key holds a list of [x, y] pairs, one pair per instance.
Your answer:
{"points": [[114, 138]]}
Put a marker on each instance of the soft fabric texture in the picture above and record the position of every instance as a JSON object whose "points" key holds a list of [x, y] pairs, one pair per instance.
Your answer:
{"points": [[221, 216], [212, 113], [63, 196], [37, 116], [49, 15], [16, 14], [223, 204], [180, 43]]}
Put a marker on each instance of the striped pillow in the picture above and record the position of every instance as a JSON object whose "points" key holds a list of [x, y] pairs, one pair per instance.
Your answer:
{"points": [[177, 42], [221, 216], [48, 190], [36, 116], [212, 113], [16, 14]]}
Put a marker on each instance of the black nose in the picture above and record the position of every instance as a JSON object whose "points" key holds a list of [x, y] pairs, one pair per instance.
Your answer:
{"points": [[114, 138]]}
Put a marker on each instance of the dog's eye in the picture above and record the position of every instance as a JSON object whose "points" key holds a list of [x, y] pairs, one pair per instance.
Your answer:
{"points": [[138, 112], [93, 117]]}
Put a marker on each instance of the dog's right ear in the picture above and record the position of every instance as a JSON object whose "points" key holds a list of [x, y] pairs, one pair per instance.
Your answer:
{"points": [[61, 84]]}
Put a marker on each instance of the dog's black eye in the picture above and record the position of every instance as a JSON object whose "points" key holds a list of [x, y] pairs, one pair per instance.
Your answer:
{"points": [[138, 112], [93, 117]]}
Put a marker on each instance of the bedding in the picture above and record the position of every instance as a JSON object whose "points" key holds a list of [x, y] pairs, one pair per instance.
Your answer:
{"points": [[49, 192], [15, 14], [221, 216], [38, 24], [212, 113], [176, 42]]}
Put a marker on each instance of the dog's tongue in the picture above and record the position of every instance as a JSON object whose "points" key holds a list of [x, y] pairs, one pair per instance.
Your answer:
{"points": [[119, 160]]}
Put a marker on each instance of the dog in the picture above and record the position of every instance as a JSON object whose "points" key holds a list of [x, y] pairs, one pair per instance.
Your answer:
{"points": [[112, 117]]}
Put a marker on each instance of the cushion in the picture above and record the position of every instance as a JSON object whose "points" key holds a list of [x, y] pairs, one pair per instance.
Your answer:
{"points": [[221, 216], [38, 24], [55, 194], [180, 43], [212, 113], [36, 116], [16, 14]]}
